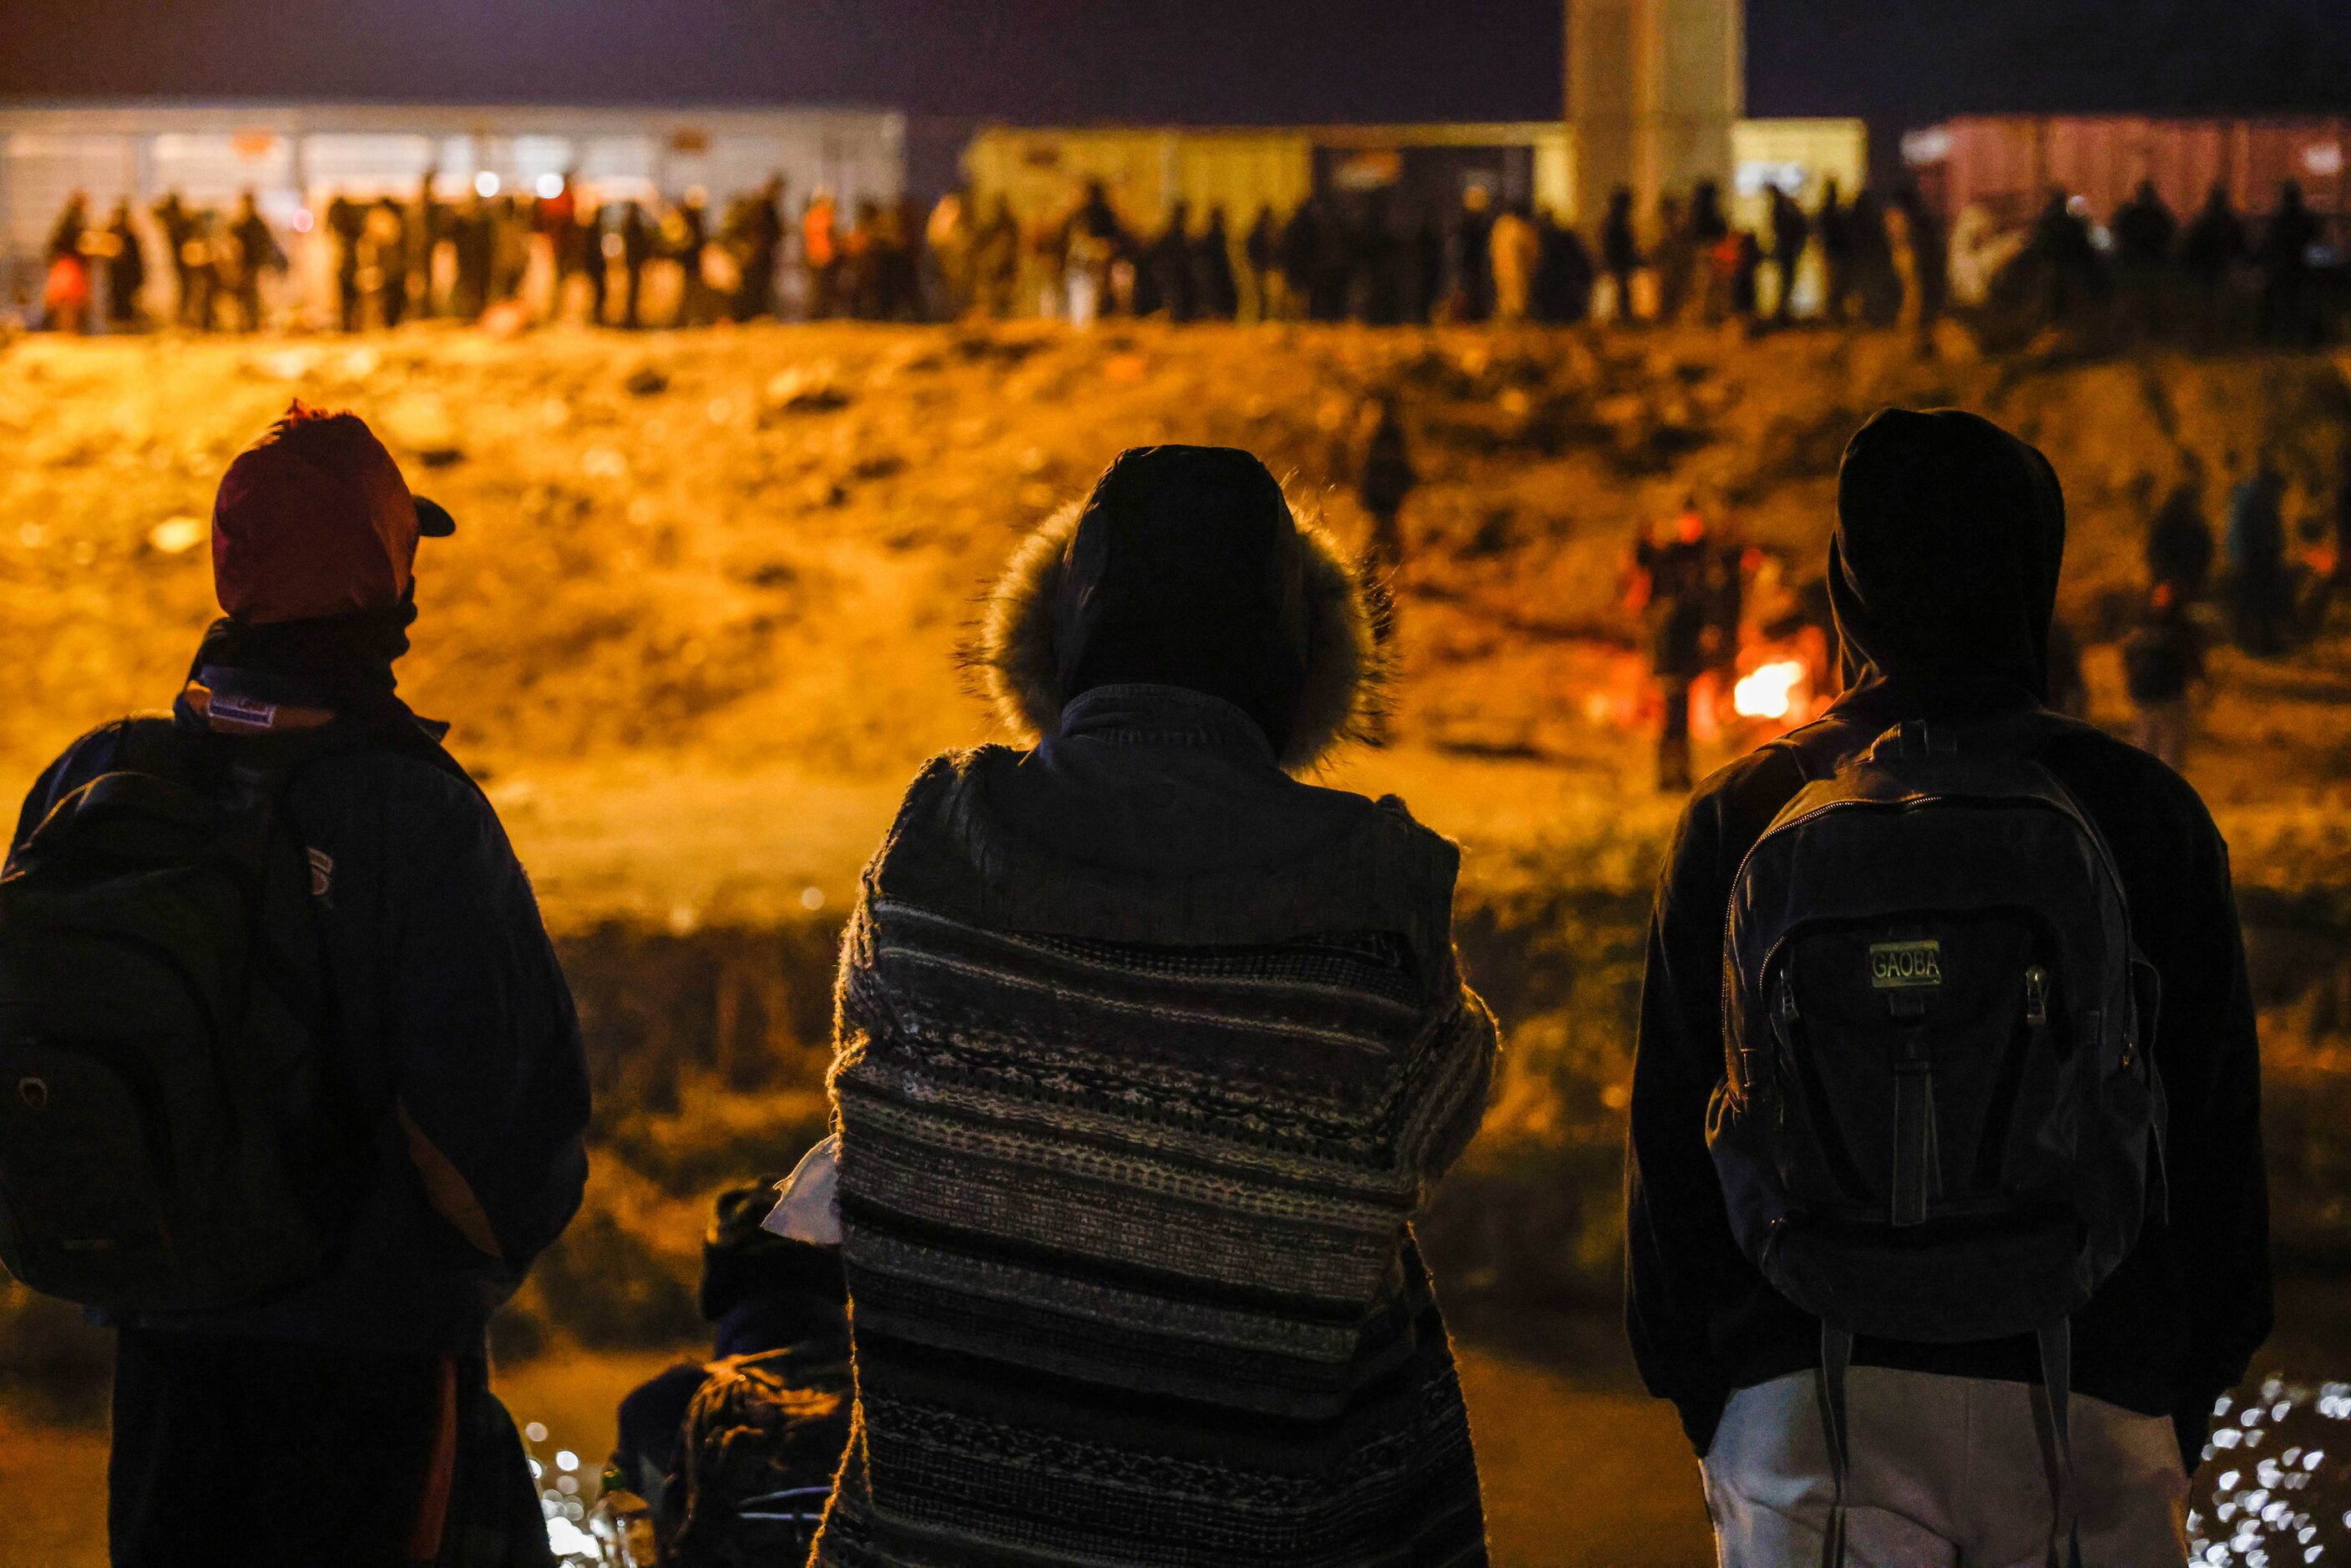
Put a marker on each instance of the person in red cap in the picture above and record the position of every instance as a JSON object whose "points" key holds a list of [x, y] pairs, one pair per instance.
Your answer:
{"points": [[301, 1370]]}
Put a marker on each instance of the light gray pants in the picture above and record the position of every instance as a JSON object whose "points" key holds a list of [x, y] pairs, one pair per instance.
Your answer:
{"points": [[1947, 1472]]}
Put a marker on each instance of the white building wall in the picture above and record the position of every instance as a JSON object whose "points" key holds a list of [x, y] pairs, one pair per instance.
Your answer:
{"points": [[294, 156]]}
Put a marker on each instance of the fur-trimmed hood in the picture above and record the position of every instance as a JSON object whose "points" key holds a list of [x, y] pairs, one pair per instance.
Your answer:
{"points": [[1341, 697]]}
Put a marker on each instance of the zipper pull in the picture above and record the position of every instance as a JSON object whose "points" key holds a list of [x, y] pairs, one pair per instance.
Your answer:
{"points": [[2036, 997]]}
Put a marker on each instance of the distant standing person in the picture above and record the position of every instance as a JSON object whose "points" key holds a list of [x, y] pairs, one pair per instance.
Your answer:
{"points": [[1832, 225], [179, 227], [1215, 292], [385, 272], [1262, 251], [763, 248], [1681, 612], [2258, 588], [1473, 261], [1791, 231], [346, 223], [2145, 232], [1388, 481], [126, 271], [473, 245], [2284, 258], [1620, 251], [820, 255], [2213, 246], [1517, 252], [636, 254], [251, 250], [2180, 543], [64, 293], [2163, 660]]}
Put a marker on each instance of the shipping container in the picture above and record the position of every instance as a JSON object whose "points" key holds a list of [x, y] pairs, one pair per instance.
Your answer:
{"points": [[1797, 156], [2009, 164], [1044, 172]]}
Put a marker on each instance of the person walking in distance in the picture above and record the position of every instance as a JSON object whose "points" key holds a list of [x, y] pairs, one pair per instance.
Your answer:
{"points": [[1679, 572], [1388, 481], [1898, 1144], [2163, 664], [1147, 1055], [287, 915]]}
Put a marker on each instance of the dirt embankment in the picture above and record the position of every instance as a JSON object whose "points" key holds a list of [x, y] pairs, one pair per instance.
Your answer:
{"points": [[699, 624], [700, 619]]}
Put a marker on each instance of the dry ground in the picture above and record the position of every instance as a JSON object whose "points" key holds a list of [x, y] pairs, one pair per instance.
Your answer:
{"points": [[700, 622]]}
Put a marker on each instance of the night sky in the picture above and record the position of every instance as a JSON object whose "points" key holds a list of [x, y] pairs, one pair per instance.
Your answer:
{"points": [[1264, 61]]}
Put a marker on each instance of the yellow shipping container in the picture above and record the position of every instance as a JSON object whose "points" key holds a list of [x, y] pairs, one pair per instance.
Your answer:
{"points": [[1801, 157], [1044, 172]]}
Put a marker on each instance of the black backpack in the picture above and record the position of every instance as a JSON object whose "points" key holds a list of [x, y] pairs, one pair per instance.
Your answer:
{"points": [[762, 1442], [172, 1132], [1939, 1122]]}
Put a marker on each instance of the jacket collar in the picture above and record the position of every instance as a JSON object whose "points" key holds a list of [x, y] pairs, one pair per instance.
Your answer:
{"points": [[1140, 715]]}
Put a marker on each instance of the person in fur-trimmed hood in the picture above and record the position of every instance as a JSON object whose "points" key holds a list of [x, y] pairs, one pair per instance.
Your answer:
{"points": [[1148, 1054]]}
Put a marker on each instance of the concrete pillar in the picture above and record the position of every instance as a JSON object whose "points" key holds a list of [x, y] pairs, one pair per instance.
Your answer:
{"points": [[1654, 87]]}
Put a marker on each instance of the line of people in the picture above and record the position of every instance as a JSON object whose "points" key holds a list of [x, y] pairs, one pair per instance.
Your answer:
{"points": [[1879, 261], [1148, 1055]]}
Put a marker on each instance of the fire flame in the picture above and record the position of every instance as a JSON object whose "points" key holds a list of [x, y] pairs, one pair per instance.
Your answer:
{"points": [[1770, 691]]}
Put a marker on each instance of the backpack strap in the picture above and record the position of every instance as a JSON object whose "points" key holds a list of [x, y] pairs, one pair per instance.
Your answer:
{"points": [[1828, 1393], [2056, 1346]]}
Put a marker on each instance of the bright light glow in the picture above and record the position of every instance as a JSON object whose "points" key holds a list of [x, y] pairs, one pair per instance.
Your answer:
{"points": [[550, 186], [1770, 691], [485, 184], [303, 222], [565, 1460], [535, 1432], [571, 1543]]}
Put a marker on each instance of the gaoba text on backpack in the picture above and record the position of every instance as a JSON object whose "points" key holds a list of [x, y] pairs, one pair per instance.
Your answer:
{"points": [[1939, 1121]]}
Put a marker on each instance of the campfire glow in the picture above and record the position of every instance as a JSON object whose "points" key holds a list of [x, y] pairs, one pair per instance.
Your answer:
{"points": [[1770, 691]]}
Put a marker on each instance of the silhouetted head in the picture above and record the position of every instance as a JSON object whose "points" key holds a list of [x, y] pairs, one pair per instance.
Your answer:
{"points": [[1186, 566], [762, 1290], [314, 520], [1943, 570]]}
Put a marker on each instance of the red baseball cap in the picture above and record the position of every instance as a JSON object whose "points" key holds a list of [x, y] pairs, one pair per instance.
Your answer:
{"points": [[314, 520]]}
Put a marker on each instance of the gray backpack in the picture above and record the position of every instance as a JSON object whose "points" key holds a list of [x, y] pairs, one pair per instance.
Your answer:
{"points": [[1939, 1121]]}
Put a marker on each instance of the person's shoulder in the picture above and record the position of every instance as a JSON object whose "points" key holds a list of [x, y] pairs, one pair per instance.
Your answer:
{"points": [[2132, 794], [1747, 790], [409, 802], [1389, 823], [1725, 815]]}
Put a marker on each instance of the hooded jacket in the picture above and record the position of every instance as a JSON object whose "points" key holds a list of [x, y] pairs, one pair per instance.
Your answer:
{"points": [[1943, 573], [1147, 1055]]}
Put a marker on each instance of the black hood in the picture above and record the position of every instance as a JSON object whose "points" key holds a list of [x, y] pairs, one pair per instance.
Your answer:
{"points": [[1185, 570], [1950, 536]]}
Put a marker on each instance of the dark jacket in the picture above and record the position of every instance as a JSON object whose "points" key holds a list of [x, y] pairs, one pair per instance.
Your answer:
{"points": [[453, 1020], [1944, 575]]}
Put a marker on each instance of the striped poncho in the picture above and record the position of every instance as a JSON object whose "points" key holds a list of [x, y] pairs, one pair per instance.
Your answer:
{"points": [[1127, 1170]]}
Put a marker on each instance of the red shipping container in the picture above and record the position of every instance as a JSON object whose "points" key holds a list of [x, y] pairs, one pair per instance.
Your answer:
{"points": [[2008, 164]]}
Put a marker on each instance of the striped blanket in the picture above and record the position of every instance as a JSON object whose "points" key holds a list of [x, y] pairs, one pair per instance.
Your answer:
{"points": [[1128, 1168]]}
